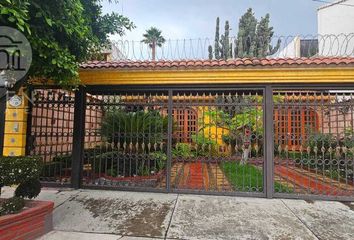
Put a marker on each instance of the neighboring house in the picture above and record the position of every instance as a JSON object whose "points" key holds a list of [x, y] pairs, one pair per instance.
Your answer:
{"points": [[336, 20], [297, 48], [335, 34]]}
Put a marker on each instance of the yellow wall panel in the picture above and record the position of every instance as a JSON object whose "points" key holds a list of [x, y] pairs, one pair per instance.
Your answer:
{"points": [[15, 127], [13, 151], [16, 114], [15, 140]]}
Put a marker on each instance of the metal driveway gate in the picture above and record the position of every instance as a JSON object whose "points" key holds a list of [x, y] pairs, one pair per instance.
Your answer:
{"points": [[314, 143], [256, 141]]}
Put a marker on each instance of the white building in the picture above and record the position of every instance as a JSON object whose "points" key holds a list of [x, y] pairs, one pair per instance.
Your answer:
{"points": [[336, 28]]}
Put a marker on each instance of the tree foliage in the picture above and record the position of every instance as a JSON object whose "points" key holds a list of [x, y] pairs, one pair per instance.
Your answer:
{"points": [[153, 37], [62, 33], [253, 39]]}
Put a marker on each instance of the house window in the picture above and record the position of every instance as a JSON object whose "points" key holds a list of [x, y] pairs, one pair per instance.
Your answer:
{"points": [[293, 125], [186, 124]]}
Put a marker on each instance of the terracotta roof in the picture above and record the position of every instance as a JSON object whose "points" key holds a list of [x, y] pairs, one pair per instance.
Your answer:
{"points": [[206, 64]]}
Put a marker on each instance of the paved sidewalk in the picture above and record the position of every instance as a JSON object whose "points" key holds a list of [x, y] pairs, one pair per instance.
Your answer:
{"points": [[92, 214]]}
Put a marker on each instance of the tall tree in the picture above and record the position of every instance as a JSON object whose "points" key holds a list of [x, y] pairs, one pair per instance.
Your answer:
{"points": [[210, 51], [62, 33], [153, 37], [226, 41], [217, 39], [246, 37], [264, 36]]}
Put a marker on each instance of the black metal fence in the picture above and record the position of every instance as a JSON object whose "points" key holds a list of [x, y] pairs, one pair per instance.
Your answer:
{"points": [[259, 141]]}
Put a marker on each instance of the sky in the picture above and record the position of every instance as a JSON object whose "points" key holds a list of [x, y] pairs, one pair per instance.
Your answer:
{"points": [[185, 19]]}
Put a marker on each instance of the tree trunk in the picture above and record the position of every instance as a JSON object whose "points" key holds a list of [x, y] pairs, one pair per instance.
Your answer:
{"points": [[153, 49], [245, 156]]}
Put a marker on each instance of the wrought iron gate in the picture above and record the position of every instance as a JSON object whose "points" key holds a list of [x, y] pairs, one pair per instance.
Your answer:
{"points": [[259, 141], [314, 142], [50, 132]]}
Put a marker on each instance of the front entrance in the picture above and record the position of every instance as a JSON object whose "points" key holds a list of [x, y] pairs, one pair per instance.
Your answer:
{"points": [[189, 140]]}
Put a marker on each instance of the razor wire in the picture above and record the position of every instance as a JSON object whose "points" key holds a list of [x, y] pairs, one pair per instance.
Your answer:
{"points": [[295, 46]]}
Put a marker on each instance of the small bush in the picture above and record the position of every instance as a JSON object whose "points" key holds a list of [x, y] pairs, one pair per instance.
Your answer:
{"points": [[12, 205], [24, 171], [16, 170], [29, 189]]}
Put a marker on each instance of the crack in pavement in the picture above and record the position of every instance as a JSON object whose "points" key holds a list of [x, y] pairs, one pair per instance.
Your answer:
{"points": [[305, 225], [173, 212]]}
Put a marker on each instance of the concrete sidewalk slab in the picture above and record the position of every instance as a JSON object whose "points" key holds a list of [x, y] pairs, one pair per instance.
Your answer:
{"points": [[211, 217], [121, 213], [57, 196], [327, 220], [60, 235]]}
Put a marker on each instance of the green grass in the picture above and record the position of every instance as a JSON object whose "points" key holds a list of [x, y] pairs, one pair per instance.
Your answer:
{"points": [[245, 177]]}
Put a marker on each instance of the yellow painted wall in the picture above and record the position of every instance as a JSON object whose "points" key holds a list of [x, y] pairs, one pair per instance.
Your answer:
{"points": [[213, 133], [15, 128]]}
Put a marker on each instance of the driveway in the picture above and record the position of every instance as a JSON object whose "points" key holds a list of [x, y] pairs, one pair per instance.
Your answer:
{"points": [[92, 214]]}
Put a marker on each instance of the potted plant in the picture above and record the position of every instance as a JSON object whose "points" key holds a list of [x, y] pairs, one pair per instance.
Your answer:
{"points": [[20, 216]]}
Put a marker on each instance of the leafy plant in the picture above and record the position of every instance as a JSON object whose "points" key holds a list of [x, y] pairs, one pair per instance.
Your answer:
{"points": [[182, 150], [16, 170], [25, 172], [140, 127], [29, 189], [160, 158], [204, 145], [11, 205], [62, 33]]}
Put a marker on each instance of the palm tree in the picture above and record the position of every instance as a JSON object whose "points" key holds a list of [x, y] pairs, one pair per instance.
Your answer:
{"points": [[153, 38]]}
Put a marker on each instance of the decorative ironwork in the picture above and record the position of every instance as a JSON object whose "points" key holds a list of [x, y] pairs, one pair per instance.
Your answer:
{"points": [[212, 140], [314, 136], [224, 152], [51, 132], [126, 140]]}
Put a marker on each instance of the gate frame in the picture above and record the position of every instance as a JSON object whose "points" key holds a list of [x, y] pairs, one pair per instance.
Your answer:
{"points": [[268, 158]]}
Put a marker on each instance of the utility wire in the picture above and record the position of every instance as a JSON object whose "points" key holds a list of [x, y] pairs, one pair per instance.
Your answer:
{"points": [[343, 4]]}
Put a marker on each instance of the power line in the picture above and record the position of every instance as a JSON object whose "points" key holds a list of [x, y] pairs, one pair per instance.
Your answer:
{"points": [[343, 4]]}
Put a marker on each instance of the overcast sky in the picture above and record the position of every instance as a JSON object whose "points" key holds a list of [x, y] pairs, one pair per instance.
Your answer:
{"points": [[180, 19]]}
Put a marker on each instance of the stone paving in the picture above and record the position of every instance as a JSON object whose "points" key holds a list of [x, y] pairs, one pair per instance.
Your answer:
{"points": [[199, 176]]}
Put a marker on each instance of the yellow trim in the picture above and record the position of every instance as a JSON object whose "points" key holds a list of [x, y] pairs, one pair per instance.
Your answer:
{"points": [[266, 75]]}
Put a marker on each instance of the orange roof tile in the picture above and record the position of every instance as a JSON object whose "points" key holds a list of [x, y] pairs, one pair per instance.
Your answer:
{"points": [[205, 64]]}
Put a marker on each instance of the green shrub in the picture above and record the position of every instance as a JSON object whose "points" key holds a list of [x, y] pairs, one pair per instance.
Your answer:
{"points": [[12, 205], [205, 145], [133, 127], [16, 170], [182, 150], [29, 189], [160, 158], [24, 171]]}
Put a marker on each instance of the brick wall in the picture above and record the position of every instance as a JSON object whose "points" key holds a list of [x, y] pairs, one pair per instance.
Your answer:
{"points": [[29, 224]]}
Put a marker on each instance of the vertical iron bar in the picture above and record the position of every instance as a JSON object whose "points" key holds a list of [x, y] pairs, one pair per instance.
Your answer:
{"points": [[269, 142], [169, 139], [29, 121], [2, 118], [78, 137]]}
